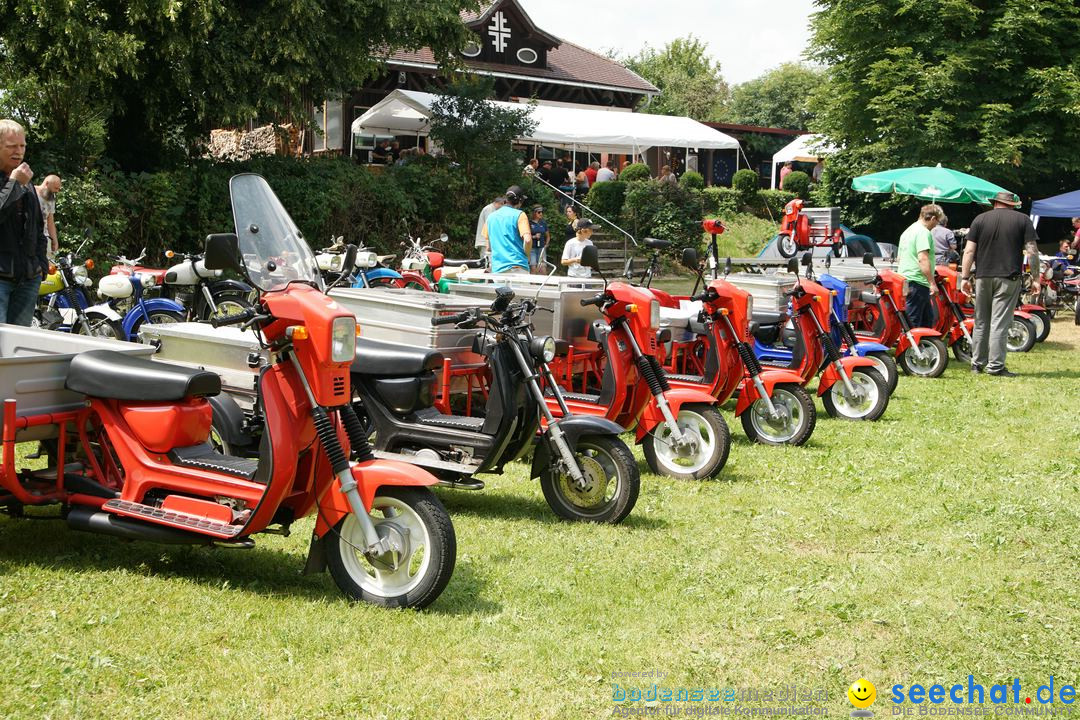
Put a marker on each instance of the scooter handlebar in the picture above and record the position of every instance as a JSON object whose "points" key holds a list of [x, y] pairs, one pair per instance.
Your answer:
{"points": [[450, 319], [240, 317], [597, 300]]}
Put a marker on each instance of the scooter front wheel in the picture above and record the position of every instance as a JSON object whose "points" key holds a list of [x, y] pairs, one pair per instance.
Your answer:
{"points": [[1020, 335], [612, 482], [935, 358], [95, 324], [869, 403], [710, 443], [795, 424], [885, 365], [413, 574], [1041, 319], [786, 246]]}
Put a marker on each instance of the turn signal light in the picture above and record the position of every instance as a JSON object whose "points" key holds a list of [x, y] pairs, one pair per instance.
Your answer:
{"points": [[169, 254], [631, 308], [357, 329], [724, 311], [52, 269], [89, 264], [299, 332]]}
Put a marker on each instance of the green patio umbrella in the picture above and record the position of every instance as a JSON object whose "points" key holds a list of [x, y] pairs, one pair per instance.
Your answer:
{"points": [[930, 183]]}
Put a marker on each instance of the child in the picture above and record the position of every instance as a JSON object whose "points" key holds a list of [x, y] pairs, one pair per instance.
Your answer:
{"points": [[571, 256]]}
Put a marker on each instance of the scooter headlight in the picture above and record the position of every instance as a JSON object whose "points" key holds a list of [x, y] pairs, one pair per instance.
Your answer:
{"points": [[904, 289], [654, 315], [749, 307], [79, 271], [543, 348], [343, 339]]}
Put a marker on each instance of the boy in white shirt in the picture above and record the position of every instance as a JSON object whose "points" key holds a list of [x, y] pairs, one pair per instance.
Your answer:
{"points": [[571, 256]]}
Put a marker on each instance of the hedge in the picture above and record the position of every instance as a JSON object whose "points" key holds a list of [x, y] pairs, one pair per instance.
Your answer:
{"points": [[635, 172], [797, 182]]}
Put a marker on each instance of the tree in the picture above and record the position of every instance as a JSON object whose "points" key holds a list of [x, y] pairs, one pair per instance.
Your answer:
{"points": [[160, 74], [778, 98], [475, 132], [989, 88], [690, 82]]}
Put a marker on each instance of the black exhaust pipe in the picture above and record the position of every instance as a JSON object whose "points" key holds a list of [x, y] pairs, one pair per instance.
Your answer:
{"points": [[96, 521]]}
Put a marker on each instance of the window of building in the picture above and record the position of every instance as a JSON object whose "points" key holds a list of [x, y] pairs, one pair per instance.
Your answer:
{"points": [[527, 55], [327, 121]]}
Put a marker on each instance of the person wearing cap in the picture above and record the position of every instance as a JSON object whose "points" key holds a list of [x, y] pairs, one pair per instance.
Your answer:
{"points": [[541, 236], [508, 235], [995, 246], [571, 254]]}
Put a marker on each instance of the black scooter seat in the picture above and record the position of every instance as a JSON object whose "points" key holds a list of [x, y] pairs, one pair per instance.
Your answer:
{"points": [[385, 359], [657, 243], [471, 264], [113, 375], [768, 317]]}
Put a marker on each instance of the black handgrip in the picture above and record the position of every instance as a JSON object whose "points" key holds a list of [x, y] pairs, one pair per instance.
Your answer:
{"points": [[869, 298], [706, 294], [450, 319], [594, 300], [220, 321]]}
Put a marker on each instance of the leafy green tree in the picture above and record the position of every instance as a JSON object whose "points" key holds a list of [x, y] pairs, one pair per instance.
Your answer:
{"points": [[690, 82], [161, 74], [778, 98], [989, 88]]}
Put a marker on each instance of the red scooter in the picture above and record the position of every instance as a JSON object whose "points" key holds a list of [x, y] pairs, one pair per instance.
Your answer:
{"points": [[151, 473], [774, 407], [919, 351], [681, 431], [796, 233], [956, 329]]}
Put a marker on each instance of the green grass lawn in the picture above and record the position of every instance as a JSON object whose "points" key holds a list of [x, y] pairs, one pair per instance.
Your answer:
{"points": [[940, 542]]}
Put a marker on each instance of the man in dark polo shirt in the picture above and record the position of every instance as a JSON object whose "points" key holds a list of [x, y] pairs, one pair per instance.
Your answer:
{"points": [[995, 244]]}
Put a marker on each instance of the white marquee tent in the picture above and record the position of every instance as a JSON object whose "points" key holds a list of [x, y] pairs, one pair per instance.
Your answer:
{"points": [[407, 112], [805, 148]]}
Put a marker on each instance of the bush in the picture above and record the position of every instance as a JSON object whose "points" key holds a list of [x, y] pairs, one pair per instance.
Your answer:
{"points": [[770, 203], [797, 182], [668, 212], [746, 183], [635, 172], [721, 200], [692, 180], [607, 199]]}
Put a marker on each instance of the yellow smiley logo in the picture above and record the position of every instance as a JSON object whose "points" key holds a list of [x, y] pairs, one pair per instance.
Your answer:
{"points": [[862, 693]]}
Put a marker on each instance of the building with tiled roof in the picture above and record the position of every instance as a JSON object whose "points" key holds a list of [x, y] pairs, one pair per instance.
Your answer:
{"points": [[524, 61]]}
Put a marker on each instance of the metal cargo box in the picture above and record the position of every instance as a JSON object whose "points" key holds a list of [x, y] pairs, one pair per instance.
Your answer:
{"points": [[823, 218], [403, 316], [859, 278], [678, 319], [33, 368], [767, 290], [568, 320], [526, 280], [232, 353]]}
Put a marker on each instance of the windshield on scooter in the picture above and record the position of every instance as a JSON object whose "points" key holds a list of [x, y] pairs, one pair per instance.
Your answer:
{"points": [[272, 248]]}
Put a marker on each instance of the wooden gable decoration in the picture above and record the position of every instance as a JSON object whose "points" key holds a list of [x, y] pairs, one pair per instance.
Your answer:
{"points": [[506, 35]]}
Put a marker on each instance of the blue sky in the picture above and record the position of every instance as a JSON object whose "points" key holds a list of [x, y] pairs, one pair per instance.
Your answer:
{"points": [[747, 37]]}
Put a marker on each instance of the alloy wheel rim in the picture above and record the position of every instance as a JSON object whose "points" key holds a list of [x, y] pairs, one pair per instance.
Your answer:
{"points": [[784, 428], [925, 364], [670, 458], [600, 491], [402, 523], [862, 403]]}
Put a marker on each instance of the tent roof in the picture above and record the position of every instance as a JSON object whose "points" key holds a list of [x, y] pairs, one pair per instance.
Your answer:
{"points": [[805, 148], [409, 111], [1065, 205]]}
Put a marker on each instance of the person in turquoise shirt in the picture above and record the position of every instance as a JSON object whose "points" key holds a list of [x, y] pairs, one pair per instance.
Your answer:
{"points": [[915, 252], [509, 235]]}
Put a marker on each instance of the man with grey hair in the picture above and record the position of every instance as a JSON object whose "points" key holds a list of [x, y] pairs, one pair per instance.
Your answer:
{"points": [[23, 264], [995, 245], [914, 253], [944, 242]]}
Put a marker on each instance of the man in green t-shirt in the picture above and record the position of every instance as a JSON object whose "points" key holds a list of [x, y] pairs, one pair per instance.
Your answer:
{"points": [[916, 264]]}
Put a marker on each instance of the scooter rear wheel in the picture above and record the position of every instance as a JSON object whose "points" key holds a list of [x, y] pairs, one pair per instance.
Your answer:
{"points": [[872, 404], [412, 516], [613, 482], [961, 350], [708, 429], [795, 428], [934, 360], [1020, 335]]}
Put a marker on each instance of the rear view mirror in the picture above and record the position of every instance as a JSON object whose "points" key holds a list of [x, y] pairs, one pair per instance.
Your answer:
{"points": [[590, 258], [868, 259], [807, 259], [793, 266], [349, 262], [690, 258], [222, 252]]}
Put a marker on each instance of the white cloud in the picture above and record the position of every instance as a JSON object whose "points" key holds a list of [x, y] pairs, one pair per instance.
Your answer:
{"points": [[747, 37]]}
